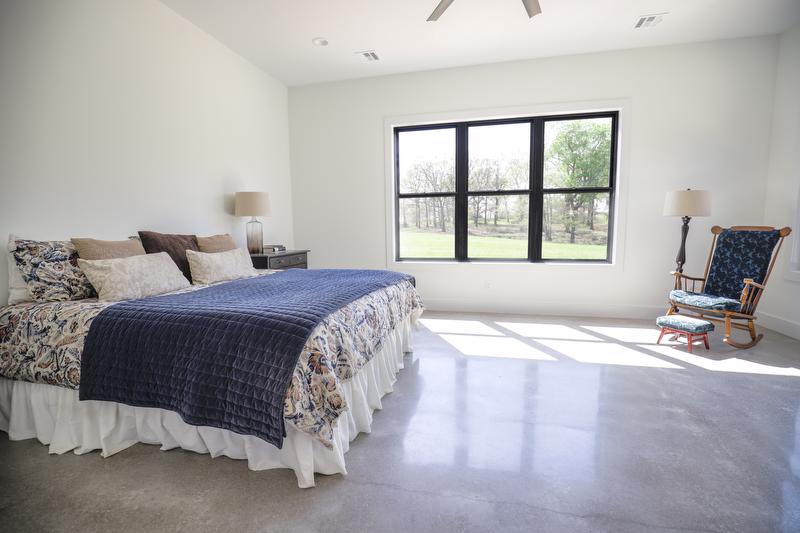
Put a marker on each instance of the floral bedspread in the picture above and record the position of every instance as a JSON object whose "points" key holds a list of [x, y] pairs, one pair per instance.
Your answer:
{"points": [[43, 342]]}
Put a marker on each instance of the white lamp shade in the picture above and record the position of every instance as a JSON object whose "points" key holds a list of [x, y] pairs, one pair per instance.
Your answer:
{"points": [[687, 203], [251, 204]]}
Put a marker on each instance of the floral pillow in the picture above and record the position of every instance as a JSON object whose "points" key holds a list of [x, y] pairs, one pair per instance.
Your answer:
{"points": [[50, 269]]}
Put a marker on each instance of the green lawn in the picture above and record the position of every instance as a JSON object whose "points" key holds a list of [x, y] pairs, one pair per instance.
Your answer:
{"points": [[434, 245]]}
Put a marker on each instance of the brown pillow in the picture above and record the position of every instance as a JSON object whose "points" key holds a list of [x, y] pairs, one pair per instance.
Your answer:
{"points": [[216, 243], [95, 249], [174, 245]]}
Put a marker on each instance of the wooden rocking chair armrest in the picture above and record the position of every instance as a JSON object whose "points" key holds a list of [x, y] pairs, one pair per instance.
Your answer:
{"points": [[749, 281], [751, 294], [687, 283], [682, 275]]}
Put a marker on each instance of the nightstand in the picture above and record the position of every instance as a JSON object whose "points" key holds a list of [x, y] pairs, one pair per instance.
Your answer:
{"points": [[281, 260]]}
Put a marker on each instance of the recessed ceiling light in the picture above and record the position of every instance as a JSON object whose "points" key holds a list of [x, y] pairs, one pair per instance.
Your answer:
{"points": [[319, 41]]}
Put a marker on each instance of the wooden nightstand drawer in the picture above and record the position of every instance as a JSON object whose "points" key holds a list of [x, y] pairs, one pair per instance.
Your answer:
{"points": [[287, 261], [281, 260]]}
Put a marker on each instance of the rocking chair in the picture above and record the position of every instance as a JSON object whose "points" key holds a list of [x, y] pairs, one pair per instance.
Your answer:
{"points": [[737, 270]]}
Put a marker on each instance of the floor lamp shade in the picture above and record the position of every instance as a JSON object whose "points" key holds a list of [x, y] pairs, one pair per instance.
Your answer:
{"points": [[686, 204], [253, 204]]}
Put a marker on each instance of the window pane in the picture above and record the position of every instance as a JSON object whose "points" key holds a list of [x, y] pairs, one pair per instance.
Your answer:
{"points": [[498, 227], [427, 160], [577, 153], [499, 157], [575, 226], [426, 227]]}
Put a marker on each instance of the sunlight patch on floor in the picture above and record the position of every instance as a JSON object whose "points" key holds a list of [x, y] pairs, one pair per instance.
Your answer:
{"points": [[547, 331], [625, 334], [606, 353], [484, 346], [635, 346], [467, 327], [725, 365]]}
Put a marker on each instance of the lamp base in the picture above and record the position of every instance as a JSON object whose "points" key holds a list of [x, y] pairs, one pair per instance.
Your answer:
{"points": [[680, 260], [255, 236]]}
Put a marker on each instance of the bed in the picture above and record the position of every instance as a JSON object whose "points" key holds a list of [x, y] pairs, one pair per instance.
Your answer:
{"points": [[346, 364]]}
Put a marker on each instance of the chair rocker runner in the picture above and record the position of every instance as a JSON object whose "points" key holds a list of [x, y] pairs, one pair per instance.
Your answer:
{"points": [[738, 268]]}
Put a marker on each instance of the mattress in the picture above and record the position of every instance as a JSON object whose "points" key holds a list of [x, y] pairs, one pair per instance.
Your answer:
{"points": [[42, 343]]}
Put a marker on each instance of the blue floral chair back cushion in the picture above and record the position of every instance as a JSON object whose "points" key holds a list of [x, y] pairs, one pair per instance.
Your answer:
{"points": [[739, 254]]}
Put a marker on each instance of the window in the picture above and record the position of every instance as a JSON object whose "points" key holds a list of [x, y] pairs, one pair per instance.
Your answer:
{"points": [[427, 187], [531, 189]]}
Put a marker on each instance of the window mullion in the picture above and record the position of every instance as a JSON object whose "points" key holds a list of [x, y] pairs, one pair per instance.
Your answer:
{"points": [[537, 185], [462, 170], [396, 195], [612, 164]]}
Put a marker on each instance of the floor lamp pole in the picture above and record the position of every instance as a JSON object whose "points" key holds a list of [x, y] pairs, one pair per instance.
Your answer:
{"points": [[681, 257]]}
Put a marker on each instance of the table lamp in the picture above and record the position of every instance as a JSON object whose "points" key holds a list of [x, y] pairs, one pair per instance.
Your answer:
{"points": [[253, 204], [686, 204]]}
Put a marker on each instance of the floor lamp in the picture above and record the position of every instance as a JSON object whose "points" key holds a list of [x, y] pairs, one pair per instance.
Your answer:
{"points": [[253, 204], [686, 204]]}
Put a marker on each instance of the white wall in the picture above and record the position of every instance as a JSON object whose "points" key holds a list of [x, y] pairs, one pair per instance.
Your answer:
{"points": [[698, 116], [781, 303], [120, 115]]}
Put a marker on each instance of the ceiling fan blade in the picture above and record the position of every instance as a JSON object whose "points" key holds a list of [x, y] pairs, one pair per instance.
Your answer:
{"points": [[443, 5], [532, 7]]}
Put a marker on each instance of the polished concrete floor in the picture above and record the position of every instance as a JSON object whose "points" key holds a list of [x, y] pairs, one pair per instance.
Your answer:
{"points": [[497, 423]]}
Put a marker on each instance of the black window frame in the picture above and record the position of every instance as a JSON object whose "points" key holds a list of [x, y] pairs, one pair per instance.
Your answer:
{"points": [[536, 190]]}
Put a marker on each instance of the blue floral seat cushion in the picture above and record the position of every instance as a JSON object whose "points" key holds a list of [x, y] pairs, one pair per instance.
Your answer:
{"points": [[685, 323], [704, 301]]}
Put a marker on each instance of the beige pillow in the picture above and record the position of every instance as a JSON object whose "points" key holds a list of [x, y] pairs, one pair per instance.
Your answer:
{"points": [[216, 243], [92, 249], [220, 266], [138, 276]]}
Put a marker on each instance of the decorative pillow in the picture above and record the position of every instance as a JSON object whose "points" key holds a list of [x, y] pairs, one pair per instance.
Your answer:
{"points": [[17, 288], [50, 270], [216, 243], [174, 245], [138, 276], [95, 249], [220, 266]]}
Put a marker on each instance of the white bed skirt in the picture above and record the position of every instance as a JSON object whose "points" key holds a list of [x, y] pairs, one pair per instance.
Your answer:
{"points": [[56, 417]]}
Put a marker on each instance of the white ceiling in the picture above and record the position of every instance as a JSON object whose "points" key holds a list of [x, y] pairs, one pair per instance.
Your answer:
{"points": [[276, 34]]}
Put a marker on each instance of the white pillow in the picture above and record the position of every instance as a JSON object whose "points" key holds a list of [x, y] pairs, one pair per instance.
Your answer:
{"points": [[138, 276], [220, 266], [17, 288]]}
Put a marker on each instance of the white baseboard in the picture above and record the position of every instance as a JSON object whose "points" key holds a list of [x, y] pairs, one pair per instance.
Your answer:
{"points": [[547, 308], [779, 324]]}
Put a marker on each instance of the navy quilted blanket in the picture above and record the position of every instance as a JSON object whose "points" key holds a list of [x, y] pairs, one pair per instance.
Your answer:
{"points": [[222, 356]]}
